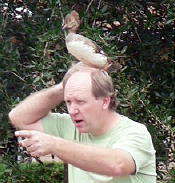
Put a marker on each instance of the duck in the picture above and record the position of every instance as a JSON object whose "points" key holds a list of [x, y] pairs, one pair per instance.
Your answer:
{"points": [[82, 48]]}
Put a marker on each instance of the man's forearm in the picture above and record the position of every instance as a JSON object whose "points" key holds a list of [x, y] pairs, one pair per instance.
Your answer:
{"points": [[36, 106], [110, 162]]}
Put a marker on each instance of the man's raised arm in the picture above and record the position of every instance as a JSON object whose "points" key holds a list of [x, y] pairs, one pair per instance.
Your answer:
{"points": [[27, 114]]}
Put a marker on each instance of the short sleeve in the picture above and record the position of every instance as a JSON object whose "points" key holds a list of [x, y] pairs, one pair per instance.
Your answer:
{"points": [[139, 144], [58, 125]]}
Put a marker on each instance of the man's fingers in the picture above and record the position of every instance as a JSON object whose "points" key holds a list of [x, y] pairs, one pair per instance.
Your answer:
{"points": [[26, 142], [23, 133]]}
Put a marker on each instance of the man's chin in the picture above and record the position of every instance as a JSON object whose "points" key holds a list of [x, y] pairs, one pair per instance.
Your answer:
{"points": [[81, 130]]}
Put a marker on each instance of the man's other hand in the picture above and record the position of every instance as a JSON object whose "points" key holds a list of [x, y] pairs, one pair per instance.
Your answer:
{"points": [[36, 143]]}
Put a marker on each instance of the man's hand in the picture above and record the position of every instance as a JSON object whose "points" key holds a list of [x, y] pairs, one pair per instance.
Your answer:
{"points": [[37, 143]]}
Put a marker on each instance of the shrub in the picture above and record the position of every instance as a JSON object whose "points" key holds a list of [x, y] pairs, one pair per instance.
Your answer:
{"points": [[32, 173]]}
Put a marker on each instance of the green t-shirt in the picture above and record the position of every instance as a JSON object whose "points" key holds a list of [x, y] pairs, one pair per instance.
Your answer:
{"points": [[127, 135]]}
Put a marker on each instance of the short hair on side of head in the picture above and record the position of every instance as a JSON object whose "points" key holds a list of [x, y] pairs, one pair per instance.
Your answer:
{"points": [[102, 84]]}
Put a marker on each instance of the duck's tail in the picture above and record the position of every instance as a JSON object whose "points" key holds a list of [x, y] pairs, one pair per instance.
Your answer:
{"points": [[113, 64]]}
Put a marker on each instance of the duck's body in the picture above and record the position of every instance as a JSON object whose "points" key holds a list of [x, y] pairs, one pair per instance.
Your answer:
{"points": [[84, 49]]}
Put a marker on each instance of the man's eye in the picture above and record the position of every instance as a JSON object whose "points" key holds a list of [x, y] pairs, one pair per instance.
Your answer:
{"points": [[81, 101], [68, 102]]}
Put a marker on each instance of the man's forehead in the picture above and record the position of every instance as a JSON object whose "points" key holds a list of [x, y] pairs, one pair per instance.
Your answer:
{"points": [[79, 78]]}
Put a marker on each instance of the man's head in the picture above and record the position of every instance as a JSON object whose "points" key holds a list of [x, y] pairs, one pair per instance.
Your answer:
{"points": [[87, 93], [101, 82]]}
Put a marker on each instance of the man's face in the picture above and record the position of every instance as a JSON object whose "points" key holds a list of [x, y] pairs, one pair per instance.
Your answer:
{"points": [[85, 110]]}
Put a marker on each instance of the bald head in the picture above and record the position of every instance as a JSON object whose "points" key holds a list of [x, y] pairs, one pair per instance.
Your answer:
{"points": [[79, 80]]}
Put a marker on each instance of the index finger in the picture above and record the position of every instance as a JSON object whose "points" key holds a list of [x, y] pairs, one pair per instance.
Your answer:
{"points": [[23, 133]]}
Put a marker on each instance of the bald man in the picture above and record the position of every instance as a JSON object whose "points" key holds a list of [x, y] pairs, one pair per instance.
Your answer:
{"points": [[99, 144]]}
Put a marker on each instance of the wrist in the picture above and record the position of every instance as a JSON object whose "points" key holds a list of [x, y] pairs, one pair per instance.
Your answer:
{"points": [[59, 88], [57, 92], [54, 145]]}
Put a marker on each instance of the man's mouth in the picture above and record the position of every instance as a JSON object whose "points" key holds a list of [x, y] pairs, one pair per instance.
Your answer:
{"points": [[78, 121]]}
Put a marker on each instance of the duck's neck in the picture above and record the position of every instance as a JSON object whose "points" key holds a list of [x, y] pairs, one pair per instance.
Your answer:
{"points": [[72, 31]]}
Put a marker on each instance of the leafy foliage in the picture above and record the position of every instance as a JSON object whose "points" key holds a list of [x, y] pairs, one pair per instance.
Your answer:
{"points": [[29, 173]]}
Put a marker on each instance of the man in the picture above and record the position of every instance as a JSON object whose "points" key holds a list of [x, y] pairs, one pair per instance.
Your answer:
{"points": [[99, 144]]}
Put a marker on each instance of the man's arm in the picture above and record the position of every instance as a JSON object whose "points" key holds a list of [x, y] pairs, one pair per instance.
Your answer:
{"points": [[110, 162], [27, 114]]}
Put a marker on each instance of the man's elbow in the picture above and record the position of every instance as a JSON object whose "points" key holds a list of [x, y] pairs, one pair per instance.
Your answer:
{"points": [[121, 169], [12, 118], [116, 170]]}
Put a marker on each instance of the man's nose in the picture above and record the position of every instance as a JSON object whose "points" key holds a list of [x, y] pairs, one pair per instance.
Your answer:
{"points": [[73, 110]]}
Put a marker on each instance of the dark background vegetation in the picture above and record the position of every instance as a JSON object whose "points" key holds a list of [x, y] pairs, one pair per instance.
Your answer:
{"points": [[33, 56]]}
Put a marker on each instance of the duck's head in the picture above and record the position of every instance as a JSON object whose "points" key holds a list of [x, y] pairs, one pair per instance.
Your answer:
{"points": [[72, 22]]}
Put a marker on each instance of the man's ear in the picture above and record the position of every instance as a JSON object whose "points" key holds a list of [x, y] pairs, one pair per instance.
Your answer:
{"points": [[106, 102]]}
